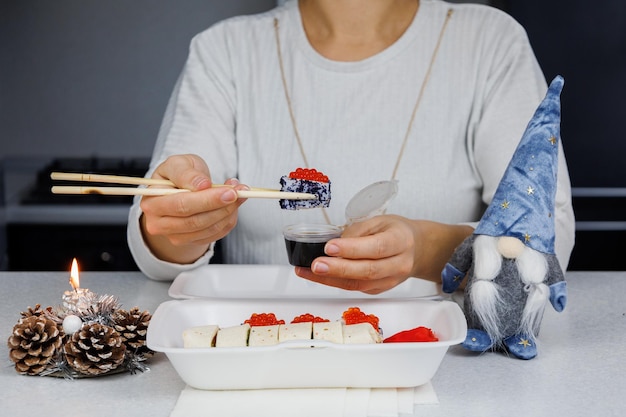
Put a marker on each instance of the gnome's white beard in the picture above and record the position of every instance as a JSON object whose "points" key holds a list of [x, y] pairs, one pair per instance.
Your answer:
{"points": [[485, 293], [533, 268]]}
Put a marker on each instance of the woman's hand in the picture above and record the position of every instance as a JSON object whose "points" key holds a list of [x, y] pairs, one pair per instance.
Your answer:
{"points": [[378, 254], [180, 227]]}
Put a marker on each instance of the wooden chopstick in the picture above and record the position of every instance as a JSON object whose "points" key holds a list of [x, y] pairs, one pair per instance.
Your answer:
{"points": [[111, 179], [71, 189], [119, 179], [254, 192], [79, 189]]}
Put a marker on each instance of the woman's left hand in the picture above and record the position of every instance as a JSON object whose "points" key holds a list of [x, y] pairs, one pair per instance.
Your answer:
{"points": [[378, 254]]}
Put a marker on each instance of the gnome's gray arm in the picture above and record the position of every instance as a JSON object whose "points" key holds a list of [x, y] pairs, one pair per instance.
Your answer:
{"points": [[458, 265], [556, 281]]}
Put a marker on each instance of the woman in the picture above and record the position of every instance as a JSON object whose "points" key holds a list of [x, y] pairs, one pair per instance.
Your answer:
{"points": [[431, 94]]}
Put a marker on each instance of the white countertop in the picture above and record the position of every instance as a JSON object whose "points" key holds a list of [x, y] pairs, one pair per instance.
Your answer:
{"points": [[580, 369]]}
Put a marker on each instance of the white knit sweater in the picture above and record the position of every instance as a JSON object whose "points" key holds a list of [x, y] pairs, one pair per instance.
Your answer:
{"points": [[229, 107]]}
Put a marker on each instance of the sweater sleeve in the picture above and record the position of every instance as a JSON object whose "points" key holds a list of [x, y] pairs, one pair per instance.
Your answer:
{"points": [[512, 88], [149, 264]]}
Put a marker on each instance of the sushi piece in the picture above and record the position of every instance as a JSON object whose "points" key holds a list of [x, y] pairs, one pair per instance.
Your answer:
{"points": [[263, 319], [200, 336], [295, 331], [354, 315], [360, 333], [233, 336], [263, 335], [304, 180], [330, 330]]}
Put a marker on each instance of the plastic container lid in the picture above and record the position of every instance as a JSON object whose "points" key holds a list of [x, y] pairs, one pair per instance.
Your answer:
{"points": [[371, 201]]}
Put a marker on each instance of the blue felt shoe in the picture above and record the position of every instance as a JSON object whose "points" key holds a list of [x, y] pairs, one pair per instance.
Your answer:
{"points": [[521, 346], [477, 341]]}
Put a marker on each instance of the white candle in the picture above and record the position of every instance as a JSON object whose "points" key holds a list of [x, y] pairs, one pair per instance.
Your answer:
{"points": [[79, 299]]}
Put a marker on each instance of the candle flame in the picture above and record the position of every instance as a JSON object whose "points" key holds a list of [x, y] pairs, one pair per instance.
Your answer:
{"points": [[74, 278]]}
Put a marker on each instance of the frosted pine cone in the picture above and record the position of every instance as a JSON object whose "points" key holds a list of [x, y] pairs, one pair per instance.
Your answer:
{"points": [[95, 349], [37, 311], [34, 343], [133, 327]]}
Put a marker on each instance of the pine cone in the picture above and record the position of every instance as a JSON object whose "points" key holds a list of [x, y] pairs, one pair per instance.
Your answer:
{"points": [[133, 327], [95, 349], [34, 343], [32, 311]]}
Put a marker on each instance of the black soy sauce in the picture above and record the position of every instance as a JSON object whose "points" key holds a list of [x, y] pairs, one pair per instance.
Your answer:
{"points": [[303, 253]]}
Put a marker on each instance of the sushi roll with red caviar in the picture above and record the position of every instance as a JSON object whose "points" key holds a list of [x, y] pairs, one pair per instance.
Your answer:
{"points": [[305, 180]]}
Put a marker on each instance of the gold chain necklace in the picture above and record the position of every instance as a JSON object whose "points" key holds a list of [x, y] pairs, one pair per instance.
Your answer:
{"points": [[413, 114]]}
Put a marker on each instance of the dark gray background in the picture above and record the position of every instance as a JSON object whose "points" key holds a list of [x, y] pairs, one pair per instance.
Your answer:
{"points": [[586, 43], [92, 77]]}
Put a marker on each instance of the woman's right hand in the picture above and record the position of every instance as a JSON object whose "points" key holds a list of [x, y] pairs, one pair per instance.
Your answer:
{"points": [[180, 227]]}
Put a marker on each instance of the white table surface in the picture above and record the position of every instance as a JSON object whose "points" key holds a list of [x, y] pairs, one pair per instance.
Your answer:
{"points": [[580, 369]]}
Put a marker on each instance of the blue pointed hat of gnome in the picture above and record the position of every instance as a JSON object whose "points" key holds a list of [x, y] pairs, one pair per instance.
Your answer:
{"points": [[523, 204]]}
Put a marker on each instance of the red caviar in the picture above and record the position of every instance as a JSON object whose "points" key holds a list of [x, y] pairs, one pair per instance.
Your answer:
{"points": [[263, 319], [310, 174], [354, 315], [418, 334], [303, 318]]}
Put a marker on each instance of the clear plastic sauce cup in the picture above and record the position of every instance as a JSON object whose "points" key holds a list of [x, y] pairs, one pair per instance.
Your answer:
{"points": [[305, 242]]}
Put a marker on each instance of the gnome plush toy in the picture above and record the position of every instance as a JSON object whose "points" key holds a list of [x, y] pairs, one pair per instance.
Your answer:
{"points": [[509, 260]]}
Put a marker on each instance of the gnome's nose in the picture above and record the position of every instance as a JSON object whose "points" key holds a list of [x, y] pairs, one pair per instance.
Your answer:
{"points": [[510, 247]]}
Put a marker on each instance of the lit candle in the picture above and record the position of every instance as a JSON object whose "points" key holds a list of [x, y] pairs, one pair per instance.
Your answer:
{"points": [[79, 299]]}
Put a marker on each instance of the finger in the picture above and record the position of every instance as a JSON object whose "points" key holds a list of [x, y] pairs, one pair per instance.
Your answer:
{"points": [[234, 182], [373, 244], [186, 171], [203, 227], [344, 283], [214, 230], [366, 286], [172, 224], [360, 269], [189, 204]]}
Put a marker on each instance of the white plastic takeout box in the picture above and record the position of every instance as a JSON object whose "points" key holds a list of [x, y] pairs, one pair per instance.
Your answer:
{"points": [[223, 297], [275, 281]]}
